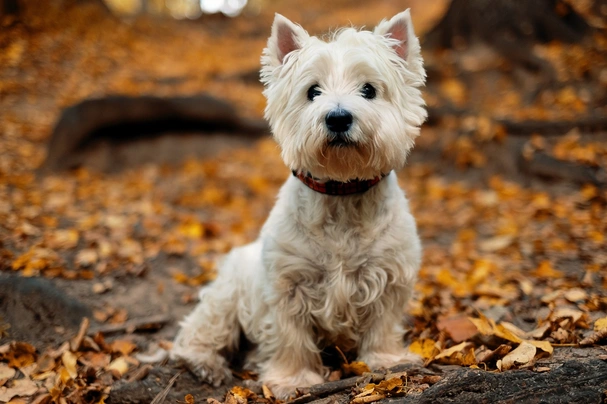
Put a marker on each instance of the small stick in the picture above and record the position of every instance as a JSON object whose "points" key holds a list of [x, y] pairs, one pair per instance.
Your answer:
{"points": [[163, 394], [145, 323], [77, 340]]}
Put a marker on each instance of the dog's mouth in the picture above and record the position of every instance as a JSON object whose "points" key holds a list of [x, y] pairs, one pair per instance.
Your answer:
{"points": [[340, 140]]}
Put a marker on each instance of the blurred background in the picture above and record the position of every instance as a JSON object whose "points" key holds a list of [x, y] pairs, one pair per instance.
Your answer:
{"points": [[133, 154]]}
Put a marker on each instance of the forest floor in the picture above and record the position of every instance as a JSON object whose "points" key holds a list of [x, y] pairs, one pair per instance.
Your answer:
{"points": [[508, 184]]}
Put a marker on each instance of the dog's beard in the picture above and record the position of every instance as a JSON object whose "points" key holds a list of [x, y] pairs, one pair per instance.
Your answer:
{"points": [[344, 162]]}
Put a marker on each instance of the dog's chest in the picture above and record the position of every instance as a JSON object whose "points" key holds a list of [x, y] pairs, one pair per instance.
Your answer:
{"points": [[354, 273]]}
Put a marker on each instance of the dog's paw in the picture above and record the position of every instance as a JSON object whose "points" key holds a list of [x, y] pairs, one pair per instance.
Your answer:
{"points": [[209, 366], [376, 360], [283, 386]]}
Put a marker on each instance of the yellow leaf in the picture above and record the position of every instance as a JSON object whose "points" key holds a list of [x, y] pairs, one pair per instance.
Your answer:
{"points": [[356, 368], [426, 348], [483, 324], [543, 345], [122, 346], [69, 361], [600, 324], [545, 270], [504, 333], [193, 230], [390, 384], [119, 366], [450, 351]]}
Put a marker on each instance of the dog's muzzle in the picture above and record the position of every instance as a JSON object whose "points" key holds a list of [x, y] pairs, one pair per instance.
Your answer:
{"points": [[338, 122]]}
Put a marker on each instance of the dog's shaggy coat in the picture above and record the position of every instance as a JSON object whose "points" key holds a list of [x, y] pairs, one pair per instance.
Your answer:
{"points": [[325, 269]]}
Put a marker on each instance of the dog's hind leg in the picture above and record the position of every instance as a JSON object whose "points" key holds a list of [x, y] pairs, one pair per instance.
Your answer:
{"points": [[212, 329]]}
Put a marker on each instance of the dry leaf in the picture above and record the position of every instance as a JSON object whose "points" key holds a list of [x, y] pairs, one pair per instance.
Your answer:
{"points": [[355, 368], [450, 351], [18, 388], [426, 348], [69, 361], [122, 346], [575, 295], [6, 372], [86, 257], [600, 324], [566, 312], [491, 355], [496, 243], [119, 366], [459, 327], [522, 355], [267, 393], [595, 338], [545, 346]]}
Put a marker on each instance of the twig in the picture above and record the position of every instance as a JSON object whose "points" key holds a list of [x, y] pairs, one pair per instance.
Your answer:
{"points": [[139, 374], [594, 338], [137, 324], [77, 340], [163, 394]]}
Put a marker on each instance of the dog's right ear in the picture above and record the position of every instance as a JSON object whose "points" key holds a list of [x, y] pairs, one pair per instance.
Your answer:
{"points": [[286, 37]]}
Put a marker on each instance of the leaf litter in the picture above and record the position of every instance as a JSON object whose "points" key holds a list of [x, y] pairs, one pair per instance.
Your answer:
{"points": [[510, 273]]}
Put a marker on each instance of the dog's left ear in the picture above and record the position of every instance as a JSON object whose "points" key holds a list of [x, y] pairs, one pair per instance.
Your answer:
{"points": [[400, 28], [286, 37]]}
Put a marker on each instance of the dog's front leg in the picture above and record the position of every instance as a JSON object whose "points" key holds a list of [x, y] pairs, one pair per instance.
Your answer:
{"points": [[289, 342], [382, 345], [296, 360]]}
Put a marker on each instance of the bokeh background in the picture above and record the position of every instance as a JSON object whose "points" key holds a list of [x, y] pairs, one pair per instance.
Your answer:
{"points": [[133, 155]]}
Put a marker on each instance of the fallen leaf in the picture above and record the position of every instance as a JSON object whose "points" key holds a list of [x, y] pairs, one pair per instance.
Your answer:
{"points": [[267, 393], [355, 368], [539, 332], [496, 243], [545, 346], [426, 348], [6, 373], [119, 366], [122, 346], [566, 312], [20, 354], [522, 355], [19, 388], [600, 324], [69, 361], [86, 257], [595, 338], [575, 295], [450, 351], [459, 327], [491, 355]]}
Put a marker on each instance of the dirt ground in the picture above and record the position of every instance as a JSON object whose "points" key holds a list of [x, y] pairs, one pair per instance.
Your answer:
{"points": [[512, 219]]}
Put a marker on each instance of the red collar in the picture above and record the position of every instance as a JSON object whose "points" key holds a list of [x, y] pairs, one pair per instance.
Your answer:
{"points": [[338, 188]]}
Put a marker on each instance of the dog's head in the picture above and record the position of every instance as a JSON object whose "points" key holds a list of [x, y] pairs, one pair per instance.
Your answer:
{"points": [[349, 107]]}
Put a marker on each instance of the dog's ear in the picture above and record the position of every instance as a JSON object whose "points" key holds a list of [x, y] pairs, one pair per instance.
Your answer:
{"points": [[286, 37], [400, 28]]}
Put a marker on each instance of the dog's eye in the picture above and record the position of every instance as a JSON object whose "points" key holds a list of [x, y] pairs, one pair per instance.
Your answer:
{"points": [[313, 92], [368, 91]]}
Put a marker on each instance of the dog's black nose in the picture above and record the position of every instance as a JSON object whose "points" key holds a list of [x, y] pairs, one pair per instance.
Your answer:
{"points": [[338, 120]]}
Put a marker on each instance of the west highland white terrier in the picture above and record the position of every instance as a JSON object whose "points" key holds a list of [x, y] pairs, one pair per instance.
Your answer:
{"points": [[337, 259]]}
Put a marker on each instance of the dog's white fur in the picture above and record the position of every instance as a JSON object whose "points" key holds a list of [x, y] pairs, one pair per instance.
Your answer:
{"points": [[325, 269]]}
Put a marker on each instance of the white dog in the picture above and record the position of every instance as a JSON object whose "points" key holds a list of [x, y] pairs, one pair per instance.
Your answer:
{"points": [[338, 257]]}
